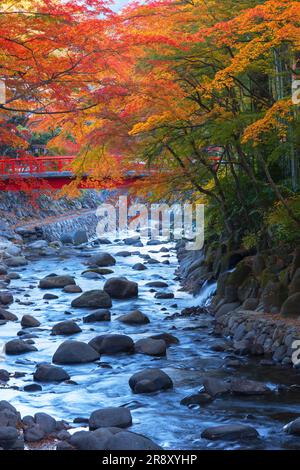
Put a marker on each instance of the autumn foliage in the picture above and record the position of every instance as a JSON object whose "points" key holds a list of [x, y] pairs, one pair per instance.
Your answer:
{"points": [[164, 82]]}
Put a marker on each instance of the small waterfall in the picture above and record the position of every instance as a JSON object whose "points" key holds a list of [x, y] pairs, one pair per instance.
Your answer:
{"points": [[203, 298]]}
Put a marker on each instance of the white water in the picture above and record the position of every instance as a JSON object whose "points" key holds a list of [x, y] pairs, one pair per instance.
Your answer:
{"points": [[203, 298]]}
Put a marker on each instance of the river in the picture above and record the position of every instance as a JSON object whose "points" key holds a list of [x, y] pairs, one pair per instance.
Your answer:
{"points": [[160, 416]]}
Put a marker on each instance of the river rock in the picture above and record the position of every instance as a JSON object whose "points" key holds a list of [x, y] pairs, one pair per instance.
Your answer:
{"points": [[17, 346], [4, 375], [104, 241], [34, 434], [54, 282], [13, 276], [32, 388], [72, 289], [230, 432], [91, 275], [8, 437], [6, 298], [293, 427], [150, 380], [93, 299], [102, 260], [157, 284], [66, 238], [167, 337], [50, 373], [116, 417], [3, 270], [164, 295], [151, 347], [75, 352], [45, 422], [291, 307], [121, 288], [68, 327], [80, 237], [197, 399], [136, 317], [226, 308], [139, 267], [124, 254], [112, 344], [215, 387], [91, 440], [250, 304], [28, 321], [132, 240], [50, 297], [248, 387], [98, 315], [16, 261], [38, 245], [126, 440], [7, 316]]}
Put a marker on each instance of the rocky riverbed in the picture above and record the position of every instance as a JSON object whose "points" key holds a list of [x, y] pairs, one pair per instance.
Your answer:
{"points": [[105, 350]]}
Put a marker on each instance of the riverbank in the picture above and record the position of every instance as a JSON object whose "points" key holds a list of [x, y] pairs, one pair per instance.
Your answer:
{"points": [[255, 301]]}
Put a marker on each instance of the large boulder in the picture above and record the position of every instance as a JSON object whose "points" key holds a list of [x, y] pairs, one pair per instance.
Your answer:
{"points": [[45, 422], [112, 344], [102, 260], [8, 437], [132, 240], [91, 440], [115, 417], [215, 387], [293, 427], [6, 298], [55, 282], [50, 373], [28, 321], [80, 237], [291, 307], [72, 289], [16, 261], [150, 380], [75, 352], [139, 267], [273, 296], [7, 316], [121, 288], [68, 327], [230, 432], [17, 346], [93, 299], [151, 347], [126, 440], [249, 288], [248, 387], [167, 337], [99, 315], [136, 317]]}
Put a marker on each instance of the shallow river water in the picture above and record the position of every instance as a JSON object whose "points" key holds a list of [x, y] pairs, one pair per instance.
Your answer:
{"points": [[160, 416]]}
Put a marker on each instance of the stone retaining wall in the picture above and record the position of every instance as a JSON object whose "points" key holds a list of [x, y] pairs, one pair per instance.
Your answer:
{"points": [[259, 335]]}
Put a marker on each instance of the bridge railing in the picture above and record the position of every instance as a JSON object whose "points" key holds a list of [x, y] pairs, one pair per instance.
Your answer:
{"points": [[34, 165]]}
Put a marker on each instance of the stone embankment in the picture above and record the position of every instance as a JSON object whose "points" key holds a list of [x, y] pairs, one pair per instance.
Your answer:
{"points": [[256, 301]]}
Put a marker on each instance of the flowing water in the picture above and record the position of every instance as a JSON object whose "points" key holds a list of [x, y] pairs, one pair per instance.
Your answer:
{"points": [[160, 416]]}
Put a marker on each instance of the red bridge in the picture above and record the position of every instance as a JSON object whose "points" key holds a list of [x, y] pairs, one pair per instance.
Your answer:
{"points": [[52, 172]]}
